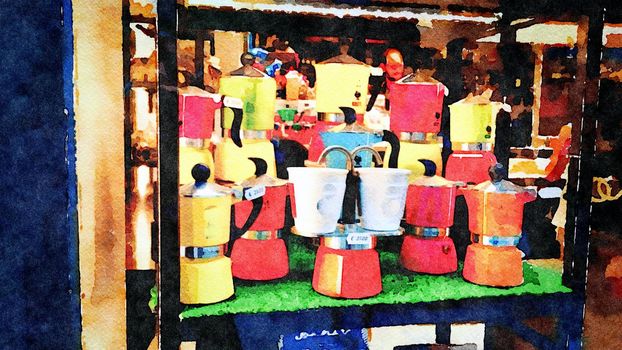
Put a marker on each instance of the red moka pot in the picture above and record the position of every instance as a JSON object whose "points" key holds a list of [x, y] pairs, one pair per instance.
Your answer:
{"points": [[430, 203], [416, 106], [196, 112], [469, 166], [271, 215], [259, 253]]}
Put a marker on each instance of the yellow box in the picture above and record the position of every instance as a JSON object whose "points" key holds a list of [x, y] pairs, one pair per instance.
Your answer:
{"points": [[205, 281]]}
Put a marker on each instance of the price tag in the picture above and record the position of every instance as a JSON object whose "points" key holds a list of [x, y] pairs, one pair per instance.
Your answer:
{"points": [[358, 238], [254, 192]]}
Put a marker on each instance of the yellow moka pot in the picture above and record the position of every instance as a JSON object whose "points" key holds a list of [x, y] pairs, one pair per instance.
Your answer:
{"points": [[341, 85], [232, 163], [409, 155], [472, 122], [204, 212], [258, 95], [191, 152]]}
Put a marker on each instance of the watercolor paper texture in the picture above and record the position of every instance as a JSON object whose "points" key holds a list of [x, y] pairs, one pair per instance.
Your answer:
{"points": [[400, 174]]}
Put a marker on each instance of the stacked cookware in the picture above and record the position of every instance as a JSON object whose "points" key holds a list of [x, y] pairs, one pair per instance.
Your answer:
{"points": [[257, 92], [472, 130], [348, 209]]}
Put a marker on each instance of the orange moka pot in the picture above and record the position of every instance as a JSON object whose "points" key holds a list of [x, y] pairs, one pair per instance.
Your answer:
{"points": [[496, 207]]}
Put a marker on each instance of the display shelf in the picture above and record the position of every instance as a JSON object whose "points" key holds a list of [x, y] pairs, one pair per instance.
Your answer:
{"points": [[399, 287], [261, 312]]}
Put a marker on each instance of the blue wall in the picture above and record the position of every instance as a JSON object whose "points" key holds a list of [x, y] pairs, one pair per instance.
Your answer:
{"points": [[39, 293]]}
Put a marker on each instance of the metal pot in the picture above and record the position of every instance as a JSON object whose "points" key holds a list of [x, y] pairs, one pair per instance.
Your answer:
{"points": [[473, 122], [266, 212], [196, 112], [203, 211], [341, 84], [416, 106], [258, 95], [496, 206], [430, 200]]}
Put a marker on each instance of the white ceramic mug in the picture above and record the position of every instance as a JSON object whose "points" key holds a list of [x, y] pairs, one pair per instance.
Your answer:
{"points": [[383, 197], [318, 197]]}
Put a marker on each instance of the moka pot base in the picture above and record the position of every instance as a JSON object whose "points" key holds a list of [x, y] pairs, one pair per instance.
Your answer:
{"points": [[349, 274], [346, 263], [259, 259], [205, 281], [428, 250], [493, 266], [431, 255]]}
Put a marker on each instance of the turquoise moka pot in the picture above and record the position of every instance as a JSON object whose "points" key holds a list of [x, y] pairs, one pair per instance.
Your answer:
{"points": [[349, 140], [350, 137]]}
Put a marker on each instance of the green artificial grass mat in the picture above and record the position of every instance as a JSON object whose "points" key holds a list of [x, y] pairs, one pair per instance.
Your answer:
{"points": [[398, 287]]}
